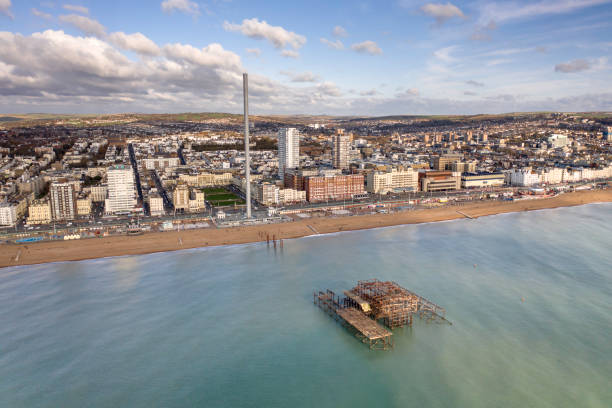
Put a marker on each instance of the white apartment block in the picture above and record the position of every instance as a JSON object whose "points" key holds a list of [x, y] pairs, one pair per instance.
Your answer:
{"points": [[523, 178], [288, 150], [379, 182], [121, 196], [8, 214]]}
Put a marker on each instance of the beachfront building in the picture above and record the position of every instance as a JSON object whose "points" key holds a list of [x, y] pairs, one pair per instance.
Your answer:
{"points": [[379, 182], [288, 150], [121, 197], [480, 180], [83, 205], [432, 181], [523, 177], [340, 149], [8, 214], [63, 201], [156, 204], [39, 212], [334, 187], [180, 198]]}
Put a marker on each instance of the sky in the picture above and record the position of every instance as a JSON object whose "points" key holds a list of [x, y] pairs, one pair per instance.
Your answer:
{"points": [[306, 57]]}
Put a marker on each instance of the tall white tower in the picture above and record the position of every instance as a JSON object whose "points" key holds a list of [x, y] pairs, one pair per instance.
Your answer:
{"points": [[288, 150]]}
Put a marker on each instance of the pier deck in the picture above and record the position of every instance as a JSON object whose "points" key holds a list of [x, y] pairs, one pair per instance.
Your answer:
{"points": [[363, 324], [364, 328]]}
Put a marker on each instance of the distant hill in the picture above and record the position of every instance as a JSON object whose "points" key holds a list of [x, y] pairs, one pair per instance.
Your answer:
{"points": [[9, 119]]}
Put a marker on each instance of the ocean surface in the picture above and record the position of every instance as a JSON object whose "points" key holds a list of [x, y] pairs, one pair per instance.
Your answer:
{"points": [[529, 296]]}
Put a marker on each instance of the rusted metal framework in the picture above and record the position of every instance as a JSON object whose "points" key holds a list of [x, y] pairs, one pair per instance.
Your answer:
{"points": [[395, 305], [363, 327], [371, 301]]}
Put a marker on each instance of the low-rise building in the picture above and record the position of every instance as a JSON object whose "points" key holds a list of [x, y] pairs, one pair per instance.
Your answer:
{"points": [[379, 182], [156, 205], [83, 204], [432, 181], [479, 180], [335, 187], [39, 212]]}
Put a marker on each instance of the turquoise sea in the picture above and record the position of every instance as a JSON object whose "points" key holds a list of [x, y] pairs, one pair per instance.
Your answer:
{"points": [[529, 295]]}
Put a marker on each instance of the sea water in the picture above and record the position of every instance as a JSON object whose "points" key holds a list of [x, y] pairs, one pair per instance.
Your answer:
{"points": [[529, 296]]}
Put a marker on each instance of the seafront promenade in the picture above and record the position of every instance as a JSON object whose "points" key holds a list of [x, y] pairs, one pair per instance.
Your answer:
{"points": [[55, 251]]}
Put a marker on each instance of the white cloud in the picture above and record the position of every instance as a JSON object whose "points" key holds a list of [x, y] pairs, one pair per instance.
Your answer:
{"points": [[367, 47], [442, 12], [444, 54], [290, 53], [327, 89], [136, 42], [76, 8], [85, 24], [5, 8], [212, 55], [336, 45], [185, 6], [278, 36], [254, 51], [54, 66], [502, 12], [339, 31], [300, 76], [41, 14]]}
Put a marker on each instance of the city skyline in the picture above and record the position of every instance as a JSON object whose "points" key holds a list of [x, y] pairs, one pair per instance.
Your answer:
{"points": [[400, 57]]}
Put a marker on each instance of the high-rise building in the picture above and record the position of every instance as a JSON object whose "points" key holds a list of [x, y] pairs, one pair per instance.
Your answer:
{"points": [[63, 201], [340, 150], [121, 190], [288, 150]]}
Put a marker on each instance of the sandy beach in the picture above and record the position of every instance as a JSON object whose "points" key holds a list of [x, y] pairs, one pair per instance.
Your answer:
{"points": [[54, 251]]}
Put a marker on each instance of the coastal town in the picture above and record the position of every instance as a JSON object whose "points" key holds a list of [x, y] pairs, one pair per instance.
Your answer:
{"points": [[79, 177]]}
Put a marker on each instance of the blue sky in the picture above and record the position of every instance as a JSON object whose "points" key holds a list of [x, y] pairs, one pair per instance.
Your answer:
{"points": [[315, 57]]}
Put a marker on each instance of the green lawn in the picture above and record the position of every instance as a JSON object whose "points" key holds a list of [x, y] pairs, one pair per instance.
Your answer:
{"points": [[219, 197]]}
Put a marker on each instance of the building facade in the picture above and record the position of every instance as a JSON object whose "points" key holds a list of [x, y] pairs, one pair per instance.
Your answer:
{"points": [[8, 214], [476, 180], [379, 182], [288, 150], [121, 196], [39, 212], [340, 150], [63, 201], [336, 187]]}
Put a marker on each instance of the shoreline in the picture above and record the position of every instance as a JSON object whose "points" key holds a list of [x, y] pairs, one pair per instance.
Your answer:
{"points": [[93, 248]]}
